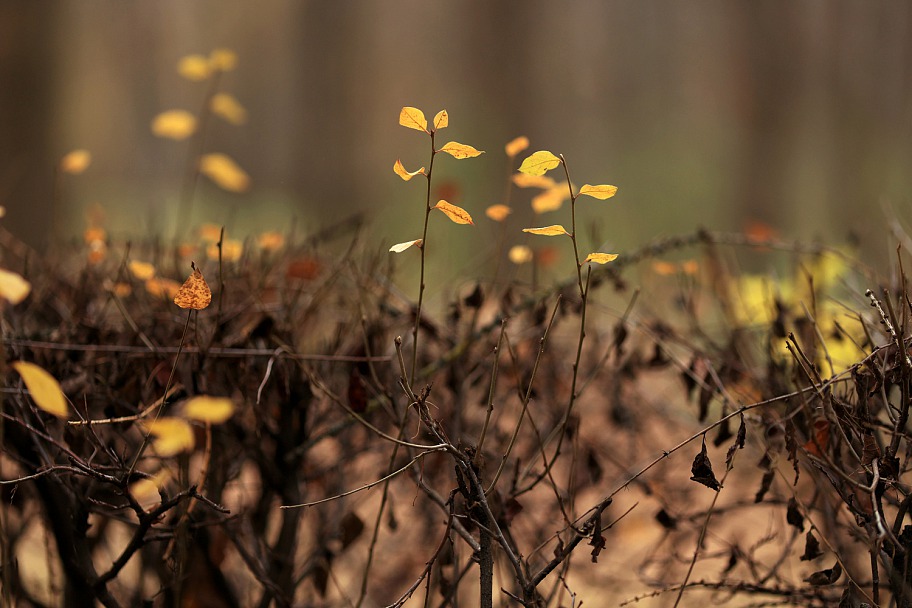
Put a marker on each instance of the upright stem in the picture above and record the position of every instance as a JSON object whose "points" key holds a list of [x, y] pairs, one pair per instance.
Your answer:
{"points": [[427, 216]]}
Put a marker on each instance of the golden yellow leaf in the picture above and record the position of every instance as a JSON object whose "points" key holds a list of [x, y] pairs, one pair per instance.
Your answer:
{"points": [[223, 60], [76, 161], [554, 230], [413, 118], [400, 170], [520, 254], [226, 106], [142, 270], [400, 247], [539, 163], [551, 199], [204, 408], [456, 213], [232, 249], [601, 258], [524, 180], [44, 389], [442, 120], [194, 67], [460, 151], [194, 293], [515, 146], [13, 288], [162, 288], [226, 173], [146, 490], [210, 233], [498, 212], [600, 192], [174, 124], [271, 241], [172, 436]]}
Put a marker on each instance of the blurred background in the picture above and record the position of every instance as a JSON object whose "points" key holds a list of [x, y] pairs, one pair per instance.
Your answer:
{"points": [[793, 115]]}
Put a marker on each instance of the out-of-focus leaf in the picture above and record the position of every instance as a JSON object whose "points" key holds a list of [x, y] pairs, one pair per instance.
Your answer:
{"points": [[194, 67], [205, 408], [498, 212], [223, 60], [75, 161], [174, 124], [172, 436], [13, 288], [232, 249], [520, 254], [524, 180], [224, 105], [226, 173], [43, 387], [551, 199], [400, 247], [141, 270], [162, 288], [517, 145]]}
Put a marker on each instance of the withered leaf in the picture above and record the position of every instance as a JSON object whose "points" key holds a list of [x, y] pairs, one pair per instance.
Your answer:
{"points": [[194, 293], [825, 577], [598, 541], [765, 484], [350, 528], [666, 520], [811, 547], [702, 472], [793, 514], [738, 444]]}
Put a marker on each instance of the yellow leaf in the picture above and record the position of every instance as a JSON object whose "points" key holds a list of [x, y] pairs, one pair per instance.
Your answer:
{"points": [[229, 108], [460, 151], [413, 118], [554, 230], [194, 293], [210, 233], [42, 386], [520, 254], [271, 241], [222, 170], [204, 408], [551, 199], [400, 170], [13, 287], [162, 288], [232, 249], [172, 436], [194, 67], [601, 258], [174, 124], [442, 120], [146, 490], [600, 192], [498, 213], [75, 162], [524, 180], [223, 60], [516, 146], [400, 247], [142, 270], [539, 163], [454, 212]]}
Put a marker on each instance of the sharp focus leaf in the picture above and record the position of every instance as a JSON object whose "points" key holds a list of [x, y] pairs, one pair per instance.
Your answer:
{"points": [[515, 146], [400, 170], [194, 67], [498, 213], [539, 163], [172, 436], [43, 387], [601, 258], [13, 287], [442, 120], [226, 106], [174, 124], [555, 230], [460, 151], [600, 192], [226, 173], [413, 118], [194, 293], [456, 213], [400, 247], [204, 408], [702, 471], [825, 577], [76, 161]]}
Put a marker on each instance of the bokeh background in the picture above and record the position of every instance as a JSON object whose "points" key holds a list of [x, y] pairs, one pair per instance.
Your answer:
{"points": [[797, 115]]}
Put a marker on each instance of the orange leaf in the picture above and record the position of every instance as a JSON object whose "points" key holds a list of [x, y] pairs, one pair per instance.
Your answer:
{"points": [[43, 387], [413, 118], [664, 268], [226, 106], [498, 213], [75, 162], [400, 170], [222, 170], [554, 230], [600, 192], [539, 163], [551, 199], [13, 287], [442, 120], [194, 293], [601, 258], [690, 267], [460, 151], [400, 247], [457, 214], [516, 146], [520, 254], [174, 124], [524, 180]]}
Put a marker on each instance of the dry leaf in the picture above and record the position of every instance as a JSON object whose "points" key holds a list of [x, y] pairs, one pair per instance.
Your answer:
{"points": [[520, 254], [524, 180], [43, 387], [456, 213], [204, 408], [539, 163], [413, 118], [194, 67], [600, 192], [75, 162], [223, 60], [174, 124], [226, 173], [141, 270], [442, 120], [162, 288], [498, 213], [554, 230], [400, 247], [516, 146], [226, 106], [601, 258], [194, 293], [172, 436], [551, 199], [13, 288], [460, 151], [400, 170]]}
